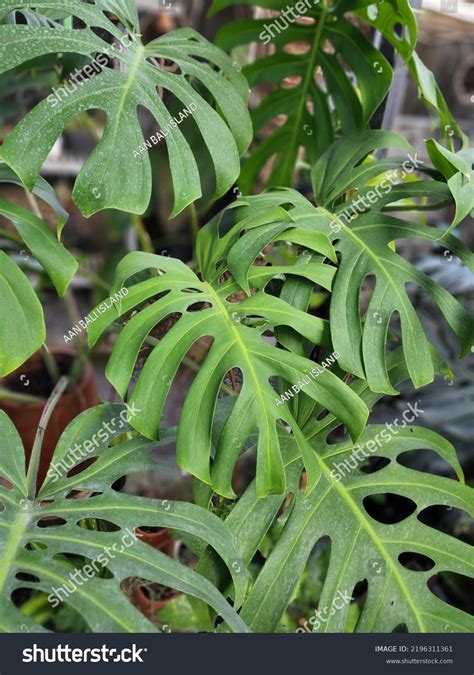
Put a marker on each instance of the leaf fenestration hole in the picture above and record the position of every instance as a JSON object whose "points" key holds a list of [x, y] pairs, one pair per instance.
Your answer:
{"points": [[453, 589], [291, 82], [100, 525], [24, 576], [81, 466], [374, 464], [416, 562], [389, 508], [450, 520], [426, 461], [401, 628], [50, 521], [297, 47], [398, 31]]}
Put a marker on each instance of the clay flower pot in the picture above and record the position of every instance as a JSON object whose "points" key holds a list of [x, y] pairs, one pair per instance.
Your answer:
{"points": [[151, 599], [159, 538], [26, 416]]}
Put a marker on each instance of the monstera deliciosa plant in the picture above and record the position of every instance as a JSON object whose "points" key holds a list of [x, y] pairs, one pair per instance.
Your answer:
{"points": [[109, 178], [282, 376]]}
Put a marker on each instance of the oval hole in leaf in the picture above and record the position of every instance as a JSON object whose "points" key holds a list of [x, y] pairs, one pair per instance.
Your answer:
{"points": [[79, 23], [359, 592], [50, 521], [297, 47], [229, 218], [454, 589], [389, 508], [398, 31], [100, 525], [416, 562], [337, 435], [365, 294], [81, 466], [372, 12], [426, 461], [401, 628], [146, 595], [24, 576], [32, 545], [305, 20], [450, 520], [291, 82], [374, 464], [161, 328], [198, 306]]}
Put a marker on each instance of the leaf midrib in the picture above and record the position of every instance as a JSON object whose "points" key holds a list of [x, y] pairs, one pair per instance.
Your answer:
{"points": [[361, 243], [307, 81], [134, 67], [245, 355], [365, 524]]}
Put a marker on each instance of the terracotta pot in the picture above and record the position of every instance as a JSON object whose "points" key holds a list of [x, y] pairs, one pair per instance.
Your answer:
{"points": [[26, 416], [160, 539], [143, 599], [147, 605]]}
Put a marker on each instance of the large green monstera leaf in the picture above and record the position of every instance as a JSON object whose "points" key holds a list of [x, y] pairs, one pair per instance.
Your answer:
{"points": [[40, 537], [21, 313], [353, 194], [361, 547], [325, 75], [118, 172], [213, 306]]}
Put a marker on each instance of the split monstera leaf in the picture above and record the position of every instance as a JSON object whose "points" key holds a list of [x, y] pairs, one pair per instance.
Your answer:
{"points": [[361, 547], [41, 535], [236, 330], [234, 302], [112, 177], [354, 200], [322, 76]]}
